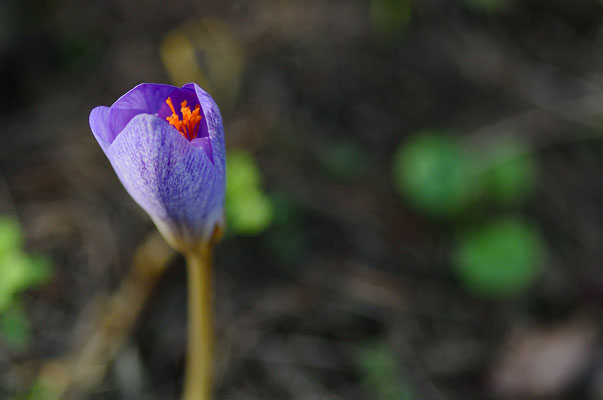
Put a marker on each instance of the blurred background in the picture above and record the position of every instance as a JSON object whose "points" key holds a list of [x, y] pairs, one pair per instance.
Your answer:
{"points": [[414, 203]]}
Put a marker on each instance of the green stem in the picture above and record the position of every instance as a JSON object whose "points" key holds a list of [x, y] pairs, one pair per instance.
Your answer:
{"points": [[197, 383]]}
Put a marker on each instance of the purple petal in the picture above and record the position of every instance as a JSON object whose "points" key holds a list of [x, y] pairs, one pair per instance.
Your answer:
{"points": [[172, 180], [106, 123], [98, 124], [146, 98], [205, 144], [213, 124]]}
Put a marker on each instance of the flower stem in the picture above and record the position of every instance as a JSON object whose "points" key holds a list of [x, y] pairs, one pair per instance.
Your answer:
{"points": [[197, 383]]}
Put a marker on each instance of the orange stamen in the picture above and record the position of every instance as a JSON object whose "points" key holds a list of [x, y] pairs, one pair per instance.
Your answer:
{"points": [[189, 125]]}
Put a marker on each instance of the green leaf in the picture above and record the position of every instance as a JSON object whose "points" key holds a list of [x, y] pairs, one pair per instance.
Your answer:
{"points": [[14, 272], [14, 329], [500, 259], [250, 213], [20, 271], [248, 209], [435, 174], [242, 173], [11, 236]]}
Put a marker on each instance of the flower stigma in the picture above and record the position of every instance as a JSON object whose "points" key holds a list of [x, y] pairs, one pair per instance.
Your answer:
{"points": [[189, 126]]}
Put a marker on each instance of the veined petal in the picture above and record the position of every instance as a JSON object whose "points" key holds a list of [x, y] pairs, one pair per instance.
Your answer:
{"points": [[172, 180], [106, 123], [215, 128]]}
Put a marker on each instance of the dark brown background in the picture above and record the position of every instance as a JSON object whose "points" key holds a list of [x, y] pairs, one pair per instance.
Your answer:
{"points": [[364, 267]]}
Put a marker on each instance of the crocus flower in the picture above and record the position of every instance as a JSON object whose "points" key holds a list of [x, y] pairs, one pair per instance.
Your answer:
{"points": [[166, 145]]}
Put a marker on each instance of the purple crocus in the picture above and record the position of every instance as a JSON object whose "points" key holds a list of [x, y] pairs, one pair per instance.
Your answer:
{"points": [[166, 145]]}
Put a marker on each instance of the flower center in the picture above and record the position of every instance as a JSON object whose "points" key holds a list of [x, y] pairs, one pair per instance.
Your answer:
{"points": [[189, 125]]}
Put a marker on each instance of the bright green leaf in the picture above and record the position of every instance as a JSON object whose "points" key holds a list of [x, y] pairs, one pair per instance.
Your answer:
{"points": [[250, 213], [14, 270], [11, 236], [500, 259], [242, 173], [248, 209], [435, 174], [20, 271]]}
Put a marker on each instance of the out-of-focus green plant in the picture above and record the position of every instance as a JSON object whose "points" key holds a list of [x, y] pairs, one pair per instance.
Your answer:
{"points": [[511, 174], [435, 173], [11, 236], [390, 17], [499, 259], [381, 374], [19, 271], [248, 209], [286, 238], [488, 5], [39, 391], [345, 160], [15, 328]]}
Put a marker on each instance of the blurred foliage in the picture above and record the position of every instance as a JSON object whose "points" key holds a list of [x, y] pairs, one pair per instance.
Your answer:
{"points": [[207, 52], [488, 5], [440, 176], [248, 209], [39, 391], [287, 240], [345, 160], [15, 329], [19, 271], [391, 17], [435, 173], [499, 259], [381, 373], [511, 174], [11, 237]]}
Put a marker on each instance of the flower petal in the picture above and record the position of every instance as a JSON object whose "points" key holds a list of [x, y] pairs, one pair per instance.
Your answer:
{"points": [[106, 123], [98, 124], [205, 144], [172, 180], [213, 122], [146, 98]]}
